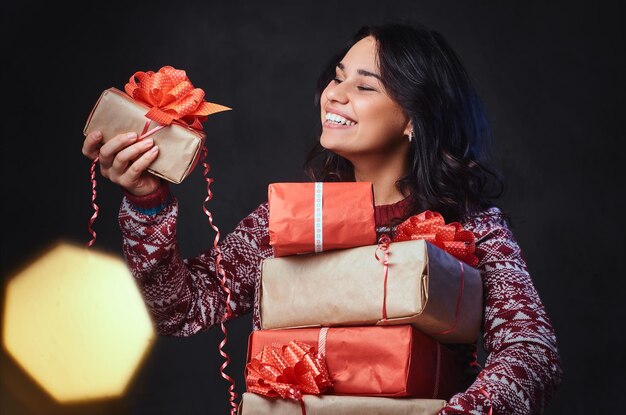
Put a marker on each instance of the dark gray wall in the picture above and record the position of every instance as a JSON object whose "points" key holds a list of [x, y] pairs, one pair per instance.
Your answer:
{"points": [[549, 74]]}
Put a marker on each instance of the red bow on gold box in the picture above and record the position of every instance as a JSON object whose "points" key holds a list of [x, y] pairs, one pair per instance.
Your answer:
{"points": [[163, 105]]}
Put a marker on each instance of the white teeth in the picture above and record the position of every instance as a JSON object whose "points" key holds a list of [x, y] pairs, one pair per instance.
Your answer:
{"points": [[339, 119]]}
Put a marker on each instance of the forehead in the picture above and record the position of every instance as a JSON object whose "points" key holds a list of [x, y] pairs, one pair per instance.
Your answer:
{"points": [[362, 55]]}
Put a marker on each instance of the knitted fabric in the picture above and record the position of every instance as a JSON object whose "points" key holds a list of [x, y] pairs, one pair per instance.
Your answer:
{"points": [[523, 367]]}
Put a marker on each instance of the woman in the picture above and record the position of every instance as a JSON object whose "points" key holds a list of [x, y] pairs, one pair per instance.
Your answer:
{"points": [[398, 110]]}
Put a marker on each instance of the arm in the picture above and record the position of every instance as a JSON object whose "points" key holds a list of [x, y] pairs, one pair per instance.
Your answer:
{"points": [[523, 367], [185, 296]]}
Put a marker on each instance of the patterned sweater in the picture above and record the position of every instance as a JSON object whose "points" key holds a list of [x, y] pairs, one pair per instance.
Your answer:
{"points": [[523, 367]]}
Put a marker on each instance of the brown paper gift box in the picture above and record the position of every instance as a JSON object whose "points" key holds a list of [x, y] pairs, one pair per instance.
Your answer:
{"points": [[345, 288], [253, 404], [393, 361], [179, 146]]}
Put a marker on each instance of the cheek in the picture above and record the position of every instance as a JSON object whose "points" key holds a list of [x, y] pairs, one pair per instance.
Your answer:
{"points": [[381, 123], [380, 116]]}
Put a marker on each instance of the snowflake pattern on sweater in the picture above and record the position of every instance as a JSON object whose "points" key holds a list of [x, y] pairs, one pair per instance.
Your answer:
{"points": [[523, 367]]}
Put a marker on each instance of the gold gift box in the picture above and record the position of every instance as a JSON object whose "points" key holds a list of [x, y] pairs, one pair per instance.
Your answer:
{"points": [[179, 146], [345, 288], [253, 404]]}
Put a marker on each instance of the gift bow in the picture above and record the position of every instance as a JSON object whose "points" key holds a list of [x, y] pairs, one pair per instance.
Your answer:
{"points": [[431, 227], [288, 371], [171, 97]]}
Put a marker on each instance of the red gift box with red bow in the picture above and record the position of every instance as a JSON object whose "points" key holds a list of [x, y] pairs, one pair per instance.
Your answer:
{"points": [[393, 361]]}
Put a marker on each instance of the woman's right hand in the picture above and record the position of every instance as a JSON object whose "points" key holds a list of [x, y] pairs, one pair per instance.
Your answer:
{"points": [[124, 161]]}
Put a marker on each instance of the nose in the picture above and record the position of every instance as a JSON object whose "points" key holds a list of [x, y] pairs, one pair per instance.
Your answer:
{"points": [[336, 92]]}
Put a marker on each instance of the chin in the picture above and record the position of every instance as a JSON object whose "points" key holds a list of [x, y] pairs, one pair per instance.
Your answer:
{"points": [[331, 145], [326, 142]]}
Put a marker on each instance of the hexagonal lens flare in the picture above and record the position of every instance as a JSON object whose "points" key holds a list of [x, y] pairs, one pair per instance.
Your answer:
{"points": [[75, 321]]}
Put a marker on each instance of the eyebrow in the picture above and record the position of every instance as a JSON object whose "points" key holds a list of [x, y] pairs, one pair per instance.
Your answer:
{"points": [[361, 72]]}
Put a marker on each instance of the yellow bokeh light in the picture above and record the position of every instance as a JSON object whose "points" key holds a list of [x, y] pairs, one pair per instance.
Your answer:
{"points": [[76, 322]]}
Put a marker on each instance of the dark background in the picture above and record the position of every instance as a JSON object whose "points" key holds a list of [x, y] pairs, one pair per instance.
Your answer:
{"points": [[551, 79]]}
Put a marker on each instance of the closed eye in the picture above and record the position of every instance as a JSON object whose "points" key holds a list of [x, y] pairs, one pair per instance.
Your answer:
{"points": [[362, 88]]}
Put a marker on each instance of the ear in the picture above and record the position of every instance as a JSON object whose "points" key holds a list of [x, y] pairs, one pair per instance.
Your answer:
{"points": [[408, 128]]}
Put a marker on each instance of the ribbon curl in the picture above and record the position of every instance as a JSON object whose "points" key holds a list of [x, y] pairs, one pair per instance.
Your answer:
{"points": [[288, 371], [431, 227], [171, 97]]}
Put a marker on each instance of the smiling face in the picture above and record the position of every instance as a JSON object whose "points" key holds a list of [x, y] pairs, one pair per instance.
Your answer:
{"points": [[370, 121]]}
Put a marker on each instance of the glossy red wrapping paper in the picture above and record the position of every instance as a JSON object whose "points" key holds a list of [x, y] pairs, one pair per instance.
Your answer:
{"points": [[347, 213], [392, 361], [253, 404]]}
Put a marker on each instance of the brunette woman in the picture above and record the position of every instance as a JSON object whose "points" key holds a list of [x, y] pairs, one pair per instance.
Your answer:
{"points": [[397, 109]]}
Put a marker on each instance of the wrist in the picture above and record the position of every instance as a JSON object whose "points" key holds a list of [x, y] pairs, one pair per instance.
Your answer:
{"points": [[151, 201]]}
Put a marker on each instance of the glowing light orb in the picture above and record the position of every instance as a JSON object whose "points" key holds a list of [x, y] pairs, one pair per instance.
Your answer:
{"points": [[76, 322]]}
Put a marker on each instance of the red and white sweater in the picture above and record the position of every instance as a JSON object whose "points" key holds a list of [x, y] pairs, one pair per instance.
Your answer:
{"points": [[523, 367]]}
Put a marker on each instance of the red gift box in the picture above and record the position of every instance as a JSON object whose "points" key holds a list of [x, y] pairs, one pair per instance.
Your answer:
{"points": [[316, 217], [392, 361]]}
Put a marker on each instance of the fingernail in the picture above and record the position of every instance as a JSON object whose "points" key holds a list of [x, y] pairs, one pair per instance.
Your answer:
{"points": [[131, 136], [154, 149], [147, 142], [97, 134]]}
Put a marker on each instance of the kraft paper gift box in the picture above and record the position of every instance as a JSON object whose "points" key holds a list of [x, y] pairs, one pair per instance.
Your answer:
{"points": [[392, 361], [426, 287], [253, 404], [179, 146], [315, 217]]}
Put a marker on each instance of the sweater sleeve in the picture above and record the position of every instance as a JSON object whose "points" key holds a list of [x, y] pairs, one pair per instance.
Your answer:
{"points": [[523, 367], [185, 296]]}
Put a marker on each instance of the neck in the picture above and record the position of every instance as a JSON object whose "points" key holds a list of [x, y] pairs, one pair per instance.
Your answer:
{"points": [[383, 174]]}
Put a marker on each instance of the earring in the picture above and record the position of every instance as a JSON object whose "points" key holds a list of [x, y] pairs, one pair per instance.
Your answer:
{"points": [[411, 135]]}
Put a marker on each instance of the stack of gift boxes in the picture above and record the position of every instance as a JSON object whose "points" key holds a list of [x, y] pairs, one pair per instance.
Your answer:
{"points": [[352, 324]]}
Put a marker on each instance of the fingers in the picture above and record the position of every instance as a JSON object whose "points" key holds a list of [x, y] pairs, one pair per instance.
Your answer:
{"points": [[130, 153], [133, 174], [91, 145], [109, 150], [124, 160]]}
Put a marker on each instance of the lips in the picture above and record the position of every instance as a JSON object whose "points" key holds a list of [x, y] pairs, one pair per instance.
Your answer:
{"points": [[330, 124], [337, 126], [335, 111]]}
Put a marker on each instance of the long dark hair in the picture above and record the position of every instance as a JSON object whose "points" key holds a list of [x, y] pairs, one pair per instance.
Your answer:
{"points": [[450, 172]]}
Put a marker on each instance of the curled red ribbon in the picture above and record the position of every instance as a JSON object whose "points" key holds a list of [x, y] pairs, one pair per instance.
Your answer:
{"points": [[171, 97], [288, 371], [431, 227], [223, 280], [92, 172]]}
